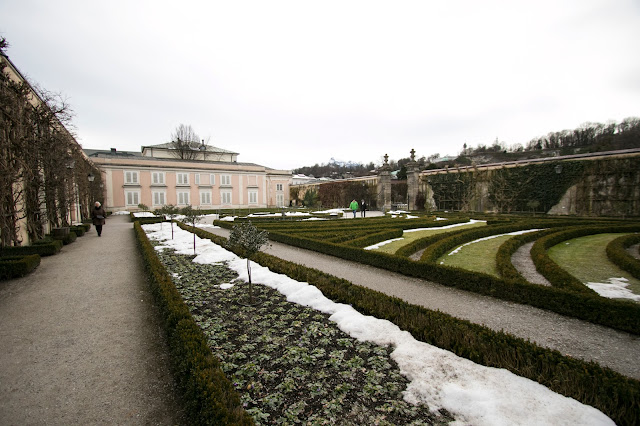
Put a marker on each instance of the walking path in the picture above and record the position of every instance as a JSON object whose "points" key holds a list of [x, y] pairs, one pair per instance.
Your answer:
{"points": [[579, 339], [80, 341]]}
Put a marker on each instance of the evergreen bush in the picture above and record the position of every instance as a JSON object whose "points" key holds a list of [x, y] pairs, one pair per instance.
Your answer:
{"points": [[18, 266]]}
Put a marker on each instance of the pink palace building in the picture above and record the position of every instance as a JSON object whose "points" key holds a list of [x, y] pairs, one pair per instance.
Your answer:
{"points": [[203, 176]]}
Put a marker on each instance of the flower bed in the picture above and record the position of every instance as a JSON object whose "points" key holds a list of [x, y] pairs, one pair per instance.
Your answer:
{"points": [[434, 373]]}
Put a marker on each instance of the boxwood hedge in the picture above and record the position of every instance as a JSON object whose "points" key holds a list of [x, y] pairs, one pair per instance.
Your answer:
{"points": [[614, 394], [18, 266]]}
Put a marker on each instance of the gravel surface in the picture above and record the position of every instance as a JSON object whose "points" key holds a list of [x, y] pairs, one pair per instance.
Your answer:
{"points": [[522, 261], [579, 339], [80, 341], [633, 251]]}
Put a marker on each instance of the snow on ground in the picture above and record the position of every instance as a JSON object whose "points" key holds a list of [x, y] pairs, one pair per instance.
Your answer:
{"points": [[143, 214], [614, 288], [474, 394], [490, 237], [378, 245], [123, 212], [287, 213]]}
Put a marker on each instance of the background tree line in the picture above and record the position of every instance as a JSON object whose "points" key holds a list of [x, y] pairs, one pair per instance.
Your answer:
{"points": [[42, 168]]}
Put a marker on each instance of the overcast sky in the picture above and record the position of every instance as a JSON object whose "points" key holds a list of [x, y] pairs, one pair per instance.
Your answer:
{"points": [[293, 83]]}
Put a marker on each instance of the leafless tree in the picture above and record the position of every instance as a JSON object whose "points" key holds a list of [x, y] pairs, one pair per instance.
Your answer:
{"points": [[185, 143]]}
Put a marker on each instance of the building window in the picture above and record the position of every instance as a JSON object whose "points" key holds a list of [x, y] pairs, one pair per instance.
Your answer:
{"points": [[157, 178], [132, 197], [225, 196], [158, 198], [196, 178], [205, 198], [278, 187], [280, 200], [225, 180], [182, 178], [183, 198], [212, 179], [253, 197], [131, 178]]}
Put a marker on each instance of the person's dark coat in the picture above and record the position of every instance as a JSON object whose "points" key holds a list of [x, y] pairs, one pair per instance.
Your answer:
{"points": [[98, 215]]}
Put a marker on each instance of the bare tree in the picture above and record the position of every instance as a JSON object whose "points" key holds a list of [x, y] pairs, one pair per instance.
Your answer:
{"points": [[185, 142]]}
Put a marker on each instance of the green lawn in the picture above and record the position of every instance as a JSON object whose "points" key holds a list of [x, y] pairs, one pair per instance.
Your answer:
{"points": [[409, 237], [477, 257], [586, 259]]}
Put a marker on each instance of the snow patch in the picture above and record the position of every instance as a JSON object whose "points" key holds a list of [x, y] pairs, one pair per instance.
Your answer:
{"points": [[614, 288]]}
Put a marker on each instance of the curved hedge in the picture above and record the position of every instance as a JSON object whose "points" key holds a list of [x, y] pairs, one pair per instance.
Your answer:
{"points": [[614, 394], [556, 275], [209, 397], [503, 258], [617, 253]]}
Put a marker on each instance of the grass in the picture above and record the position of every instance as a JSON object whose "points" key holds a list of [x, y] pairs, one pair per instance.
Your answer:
{"points": [[586, 259], [409, 237], [289, 362], [477, 257]]}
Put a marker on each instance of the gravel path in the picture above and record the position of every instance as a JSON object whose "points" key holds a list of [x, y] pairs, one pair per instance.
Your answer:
{"points": [[633, 251], [522, 261], [579, 339], [80, 341]]}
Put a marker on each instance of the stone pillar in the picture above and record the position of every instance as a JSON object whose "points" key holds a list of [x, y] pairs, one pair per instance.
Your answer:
{"points": [[413, 182], [384, 186]]}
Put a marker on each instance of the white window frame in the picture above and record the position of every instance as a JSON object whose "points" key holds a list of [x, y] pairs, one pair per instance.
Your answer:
{"points": [[205, 197], [158, 198], [132, 198], [196, 178], [225, 180], [280, 200], [212, 179], [131, 177], [157, 178], [226, 198], [183, 198], [253, 197], [182, 178], [279, 187]]}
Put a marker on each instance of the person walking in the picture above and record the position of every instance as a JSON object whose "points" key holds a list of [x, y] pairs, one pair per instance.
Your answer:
{"points": [[363, 208], [98, 216], [354, 207]]}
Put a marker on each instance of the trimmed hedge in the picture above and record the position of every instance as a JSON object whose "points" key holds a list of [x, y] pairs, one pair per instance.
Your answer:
{"points": [[18, 266], [505, 268], [621, 315], [614, 394], [45, 247], [208, 395], [557, 276], [617, 253]]}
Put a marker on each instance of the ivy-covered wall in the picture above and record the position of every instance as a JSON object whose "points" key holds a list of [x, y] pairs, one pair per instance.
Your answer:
{"points": [[603, 187]]}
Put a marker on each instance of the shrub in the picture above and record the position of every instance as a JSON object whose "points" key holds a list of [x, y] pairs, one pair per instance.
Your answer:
{"points": [[617, 253], [18, 266], [45, 247], [208, 395], [611, 392]]}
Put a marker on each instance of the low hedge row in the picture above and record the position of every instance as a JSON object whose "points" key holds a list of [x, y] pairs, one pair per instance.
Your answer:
{"points": [[505, 268], [621, 315], [45, 247], [374, 238], [18, 266], [208, 395], [612, 393], [617, 253], [67, 239], [556, 275]]}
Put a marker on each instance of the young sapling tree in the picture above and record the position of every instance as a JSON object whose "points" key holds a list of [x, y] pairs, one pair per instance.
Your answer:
{"points": [[170, 211], [250, 239], [192, 216]]}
